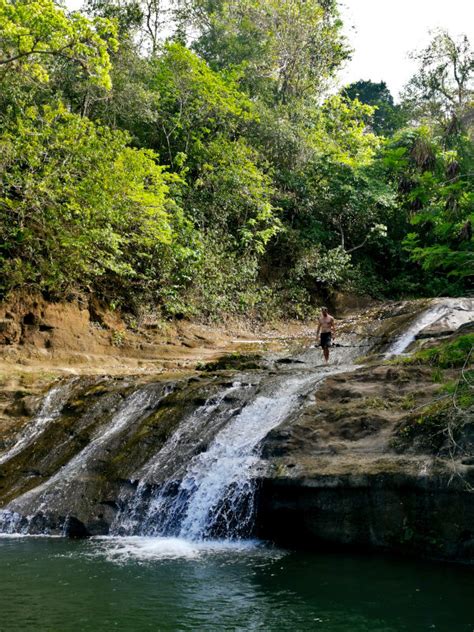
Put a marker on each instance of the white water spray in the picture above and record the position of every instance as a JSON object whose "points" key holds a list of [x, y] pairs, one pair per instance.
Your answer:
{"points": [[213, 494], [219, 481]]}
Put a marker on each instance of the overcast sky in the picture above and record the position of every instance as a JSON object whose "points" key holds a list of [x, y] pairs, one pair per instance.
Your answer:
{"points": [[382, 32]]}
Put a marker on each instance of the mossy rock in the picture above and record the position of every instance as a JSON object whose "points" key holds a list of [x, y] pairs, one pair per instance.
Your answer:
{"points": [[451, 353], [234, 361]]}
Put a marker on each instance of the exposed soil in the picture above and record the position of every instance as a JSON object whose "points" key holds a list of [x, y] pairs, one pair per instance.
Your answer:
{"points": [[38, 336]]}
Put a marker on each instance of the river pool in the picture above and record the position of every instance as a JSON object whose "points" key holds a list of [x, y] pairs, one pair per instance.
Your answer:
{"points": [[165, 584]]}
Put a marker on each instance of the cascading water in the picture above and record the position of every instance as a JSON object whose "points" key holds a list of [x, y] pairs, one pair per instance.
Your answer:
{"points": [[49, 411], [213, 495], [218, 489], [459, 310], [142, 512], [25, 513]]}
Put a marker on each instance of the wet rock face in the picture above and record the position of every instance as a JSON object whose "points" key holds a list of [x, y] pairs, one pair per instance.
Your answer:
{"points": [[388, 511], [71, 467], [64, 437], [75, 529], [459, 316]]}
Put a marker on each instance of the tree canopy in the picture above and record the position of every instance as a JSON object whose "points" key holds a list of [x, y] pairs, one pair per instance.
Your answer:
{"points": [[35, 34], [195, 157]]}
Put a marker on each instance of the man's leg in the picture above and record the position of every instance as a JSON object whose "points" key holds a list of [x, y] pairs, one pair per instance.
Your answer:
{"points": [[326, 353]]}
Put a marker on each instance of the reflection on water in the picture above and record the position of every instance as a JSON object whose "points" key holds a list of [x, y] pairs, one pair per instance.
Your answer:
{"points": [[165, 584]]}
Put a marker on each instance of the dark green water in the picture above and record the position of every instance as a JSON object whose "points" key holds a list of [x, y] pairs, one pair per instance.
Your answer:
{"points": [[53, 585]]}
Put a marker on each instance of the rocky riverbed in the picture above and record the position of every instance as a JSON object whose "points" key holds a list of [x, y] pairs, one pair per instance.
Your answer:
{"points": [[335, 459]]}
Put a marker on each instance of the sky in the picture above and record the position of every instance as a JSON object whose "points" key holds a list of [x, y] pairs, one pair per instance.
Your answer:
{"points": [[383, 32]]}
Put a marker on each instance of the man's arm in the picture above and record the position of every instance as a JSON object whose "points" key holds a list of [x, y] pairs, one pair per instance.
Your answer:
{"points": [[333, 328]]}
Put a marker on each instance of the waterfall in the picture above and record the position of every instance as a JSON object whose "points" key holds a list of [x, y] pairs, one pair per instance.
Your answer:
{"points": [[218, 491], [139, 514], [214, 493], [201, 482], [453, 312], [191, 470], [50, 410], [26, 512]]}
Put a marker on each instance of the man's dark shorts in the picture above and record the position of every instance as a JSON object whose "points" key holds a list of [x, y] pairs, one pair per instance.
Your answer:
{"points": [[326, 340]]}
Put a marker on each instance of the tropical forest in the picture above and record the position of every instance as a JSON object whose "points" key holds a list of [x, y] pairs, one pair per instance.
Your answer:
{"points": [[236, 316], [201, 157]]}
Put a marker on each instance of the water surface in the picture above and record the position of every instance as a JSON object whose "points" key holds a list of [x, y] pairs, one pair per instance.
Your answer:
{"points": [[167, 584]]}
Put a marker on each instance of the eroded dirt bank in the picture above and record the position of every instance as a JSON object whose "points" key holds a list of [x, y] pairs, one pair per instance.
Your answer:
{"points": [[84, 337]]}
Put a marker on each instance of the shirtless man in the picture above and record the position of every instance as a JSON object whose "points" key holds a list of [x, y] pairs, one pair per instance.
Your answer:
{"points": [[328, 330]]}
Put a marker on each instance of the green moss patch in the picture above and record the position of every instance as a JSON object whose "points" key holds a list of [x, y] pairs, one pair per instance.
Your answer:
{"points": [[446, 355]]}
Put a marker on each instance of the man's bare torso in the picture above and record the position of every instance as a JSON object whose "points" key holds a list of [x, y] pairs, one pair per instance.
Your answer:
{"points": [[326, 323]]}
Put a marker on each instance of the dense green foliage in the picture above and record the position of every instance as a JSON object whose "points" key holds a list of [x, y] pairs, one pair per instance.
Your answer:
{"points": [[213, 174], [387, 117], [79, 203], [33, 30]]}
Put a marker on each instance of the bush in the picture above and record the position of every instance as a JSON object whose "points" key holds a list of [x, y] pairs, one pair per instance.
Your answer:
{"points": [[78, 204]]}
